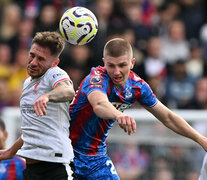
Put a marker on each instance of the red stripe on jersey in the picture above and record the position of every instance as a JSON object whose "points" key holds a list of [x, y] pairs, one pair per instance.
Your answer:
{"points": [[12, 171], [81, 118], [99, 133], [59, 81]]}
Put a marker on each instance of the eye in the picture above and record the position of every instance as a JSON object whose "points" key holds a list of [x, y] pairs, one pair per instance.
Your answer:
{"points": [[41, 59], [31, 55], [122, 65], [111, 65]]}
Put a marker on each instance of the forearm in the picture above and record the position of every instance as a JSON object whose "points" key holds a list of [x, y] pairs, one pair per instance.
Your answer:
{"points": [[16, 146], [62, 92], [9, 153], [175, 122], [180, 126], [106, 110]]}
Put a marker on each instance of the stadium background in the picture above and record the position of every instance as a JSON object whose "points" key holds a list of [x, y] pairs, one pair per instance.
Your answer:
{"points": [[169, 39]]}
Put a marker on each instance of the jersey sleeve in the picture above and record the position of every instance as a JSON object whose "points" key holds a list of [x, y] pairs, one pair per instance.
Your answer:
{"points": [[147, 96], [56, 75], [95, 81]]}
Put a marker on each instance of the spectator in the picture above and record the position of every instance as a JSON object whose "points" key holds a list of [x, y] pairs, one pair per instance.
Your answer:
{"points": [[25, 33], [179, 87], [9, 26], [192, 15], [175, 46], [195, 64], [5, 57], [154, 64], [143, 32], [77, 63], [47, 20], [17, 76], [164, 174], [130, 162], [4, 95]]}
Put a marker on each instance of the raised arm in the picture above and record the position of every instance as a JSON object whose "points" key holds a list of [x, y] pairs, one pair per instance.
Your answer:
{"points": [[62, 92], [177, 124], [9, 153], [104, 109]]}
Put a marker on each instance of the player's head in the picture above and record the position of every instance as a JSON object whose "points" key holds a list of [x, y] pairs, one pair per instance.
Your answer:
{"points": [[3, 134], [44, 52], [118, 60]]}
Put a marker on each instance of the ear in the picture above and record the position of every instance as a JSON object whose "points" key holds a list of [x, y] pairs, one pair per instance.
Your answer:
{"points": [[132, 63], [56, 62], [103, 61], [5, 135]]}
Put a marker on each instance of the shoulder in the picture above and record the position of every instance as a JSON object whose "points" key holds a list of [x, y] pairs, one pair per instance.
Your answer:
{"points": [[55, 72], [98, 71], [135, 79], [28, 80], [97, 74]]}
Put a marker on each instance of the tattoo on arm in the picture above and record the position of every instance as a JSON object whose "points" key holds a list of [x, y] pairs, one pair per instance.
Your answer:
{"points": [[62, 92]]}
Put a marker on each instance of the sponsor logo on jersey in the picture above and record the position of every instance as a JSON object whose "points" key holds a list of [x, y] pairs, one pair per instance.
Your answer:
{"points": [[27, 109], [56, 75], [121, 106]]}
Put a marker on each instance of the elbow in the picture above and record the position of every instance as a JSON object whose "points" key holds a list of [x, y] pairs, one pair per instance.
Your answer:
{"points": [[71, 94], [96, 109]]}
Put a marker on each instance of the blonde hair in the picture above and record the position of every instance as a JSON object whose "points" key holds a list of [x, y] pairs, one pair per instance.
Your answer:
{"points": [[117, 47]]}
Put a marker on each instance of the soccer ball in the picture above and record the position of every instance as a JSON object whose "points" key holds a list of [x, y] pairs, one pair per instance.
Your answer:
{"points": [[78, 25]]}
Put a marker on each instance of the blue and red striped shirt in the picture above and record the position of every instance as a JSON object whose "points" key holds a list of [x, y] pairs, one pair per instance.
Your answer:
{"points": [[12, 169], [88, 132]]}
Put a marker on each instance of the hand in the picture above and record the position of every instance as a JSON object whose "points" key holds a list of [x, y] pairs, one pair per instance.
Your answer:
{"points": [[127, 123], [41, 104], [6, 154]]}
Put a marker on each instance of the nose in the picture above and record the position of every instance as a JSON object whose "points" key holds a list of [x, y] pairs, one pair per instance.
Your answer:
{"points": [[116, 71], [33, 62]]}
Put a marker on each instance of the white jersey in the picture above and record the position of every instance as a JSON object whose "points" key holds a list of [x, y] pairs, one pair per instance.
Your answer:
{"points": [[46, 138], [203, 173]]}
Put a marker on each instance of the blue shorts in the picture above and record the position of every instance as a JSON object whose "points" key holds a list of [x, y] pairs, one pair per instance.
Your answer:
{"points": [[94, 167]]}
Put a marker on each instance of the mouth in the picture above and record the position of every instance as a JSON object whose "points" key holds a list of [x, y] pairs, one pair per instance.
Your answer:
{"points": [[31, 70], [117, 80]]}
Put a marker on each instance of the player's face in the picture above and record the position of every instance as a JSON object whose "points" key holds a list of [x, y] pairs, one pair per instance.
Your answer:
{"points": [[118, 68], [40, 60]]}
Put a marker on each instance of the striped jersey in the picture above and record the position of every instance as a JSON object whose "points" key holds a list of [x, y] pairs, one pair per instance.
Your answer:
{"points": [[45, 137], [12, 169], [88, 132]]}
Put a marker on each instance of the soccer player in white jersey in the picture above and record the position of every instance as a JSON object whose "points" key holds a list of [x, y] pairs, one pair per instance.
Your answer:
{"points": [[44, 105]]}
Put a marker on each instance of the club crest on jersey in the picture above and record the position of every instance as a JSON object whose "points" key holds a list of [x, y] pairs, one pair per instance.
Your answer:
{"points": [[128, 92], [35, 88]]}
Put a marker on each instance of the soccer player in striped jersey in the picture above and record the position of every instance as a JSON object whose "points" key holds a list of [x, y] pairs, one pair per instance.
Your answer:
{"points": [[44, 104], [100, 101], [11, 168]]}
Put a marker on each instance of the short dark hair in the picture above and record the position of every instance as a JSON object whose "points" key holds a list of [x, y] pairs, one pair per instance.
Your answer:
{"points": [[51, 40], [117, 47], [2, 125]]}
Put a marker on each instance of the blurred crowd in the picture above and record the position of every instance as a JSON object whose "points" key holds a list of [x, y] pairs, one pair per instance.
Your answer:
{"points": [[169, 39]]}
